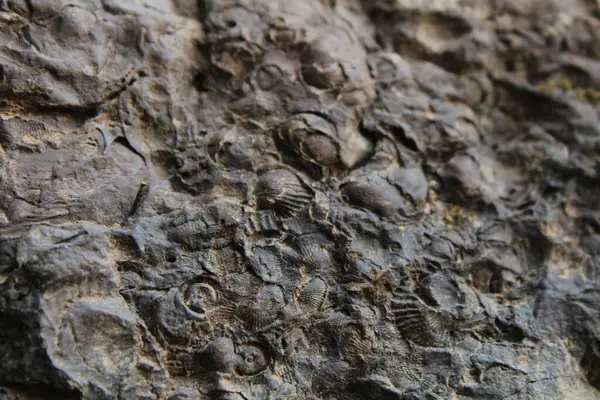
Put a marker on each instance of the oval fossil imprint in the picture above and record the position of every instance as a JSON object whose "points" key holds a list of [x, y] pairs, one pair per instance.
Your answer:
{"points": [[401, 192], [225, 356], [311, 137], [320, 145]]}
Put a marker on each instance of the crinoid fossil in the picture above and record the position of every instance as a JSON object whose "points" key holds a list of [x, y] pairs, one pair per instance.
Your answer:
{"points": [[283, 192], [420, 323]]}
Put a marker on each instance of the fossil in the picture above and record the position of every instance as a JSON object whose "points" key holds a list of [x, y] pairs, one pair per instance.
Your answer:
{"points": [[299, 199], [420, 323], [312, 296], [283, 192]]}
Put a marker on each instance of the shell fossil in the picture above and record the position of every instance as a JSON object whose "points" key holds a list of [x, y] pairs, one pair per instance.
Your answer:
{"points": [[311, 137], [256, 318], [443, 248], [267, 264], [174, 316], [263, 311], [312, 296], [389, 68], [283, 192], [252, 359], [374, 193], [365, 264], [211, 227], [313, 255], [403, 191], [224, 260], [223, 355], [200, 296], [261, 222], [419, 323], [324, 74], [269, 76], [15, 130], [219, 355], [236, 57], [191, 231], [355, 344]]}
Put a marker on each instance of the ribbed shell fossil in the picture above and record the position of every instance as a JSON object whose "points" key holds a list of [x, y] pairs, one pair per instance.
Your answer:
{"points": [[313, 256], [355, 344], [267, 264], [312, 296], [365, 264], [419, 323], [256, 318], [262, 222], [13, 130], [209, 229], [283, 192], [263, 311]]}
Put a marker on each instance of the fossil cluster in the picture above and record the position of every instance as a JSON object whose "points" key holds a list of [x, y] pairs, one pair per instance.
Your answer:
{"points": [[299, 199]]}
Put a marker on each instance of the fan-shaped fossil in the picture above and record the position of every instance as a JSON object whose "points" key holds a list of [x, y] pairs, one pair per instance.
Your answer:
{"points": [[311, 297], [268, 264], [256, 318], [282, 191], [263, 311], [420, 323], [365, 264], [313, 255]]}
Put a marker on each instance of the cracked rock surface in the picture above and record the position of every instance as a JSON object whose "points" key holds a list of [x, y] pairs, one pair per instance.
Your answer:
{"points": [[274, 199]]}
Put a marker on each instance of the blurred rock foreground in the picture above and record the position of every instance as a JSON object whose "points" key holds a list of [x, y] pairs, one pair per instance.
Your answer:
{"points": [[299, 199]]}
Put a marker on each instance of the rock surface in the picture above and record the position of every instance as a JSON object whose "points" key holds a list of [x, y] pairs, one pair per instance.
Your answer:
{"points": [[273, 199]]}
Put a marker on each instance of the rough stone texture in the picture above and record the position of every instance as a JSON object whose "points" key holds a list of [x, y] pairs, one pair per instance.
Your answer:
{"points": [[273, 199]]}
